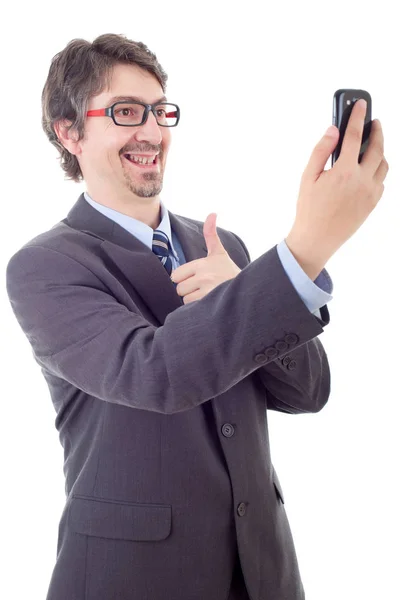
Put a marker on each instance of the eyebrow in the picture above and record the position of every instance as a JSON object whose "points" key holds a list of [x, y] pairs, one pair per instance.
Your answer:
{"points": [[133, 99]]}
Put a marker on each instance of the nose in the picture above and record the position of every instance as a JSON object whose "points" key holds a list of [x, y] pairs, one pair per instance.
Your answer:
{"points": [[150, 130]]}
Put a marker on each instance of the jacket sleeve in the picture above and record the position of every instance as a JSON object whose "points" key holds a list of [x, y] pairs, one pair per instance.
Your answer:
{"points": [[305, 388], [81, 333]]}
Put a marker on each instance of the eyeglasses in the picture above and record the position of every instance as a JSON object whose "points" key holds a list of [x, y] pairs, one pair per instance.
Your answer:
{"points": [[134, 114]]}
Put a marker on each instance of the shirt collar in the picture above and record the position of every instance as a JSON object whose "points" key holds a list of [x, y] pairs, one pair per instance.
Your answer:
{"points": [[137, 228]]}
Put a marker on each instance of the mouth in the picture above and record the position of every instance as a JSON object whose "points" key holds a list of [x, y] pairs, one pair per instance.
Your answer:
{"points": [[149, 166]]}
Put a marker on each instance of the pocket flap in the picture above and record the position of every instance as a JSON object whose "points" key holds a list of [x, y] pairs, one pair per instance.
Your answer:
{"points": [[123, 521]]}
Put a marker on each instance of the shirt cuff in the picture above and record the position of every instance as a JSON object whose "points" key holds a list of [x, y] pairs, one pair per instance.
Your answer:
{"points": [[314, 294]]}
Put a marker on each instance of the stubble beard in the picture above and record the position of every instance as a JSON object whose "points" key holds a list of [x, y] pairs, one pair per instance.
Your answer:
{"points": [[150, 185]]}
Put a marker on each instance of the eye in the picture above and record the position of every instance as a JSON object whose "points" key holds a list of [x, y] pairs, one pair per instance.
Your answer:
{"points": [[125, 112]]}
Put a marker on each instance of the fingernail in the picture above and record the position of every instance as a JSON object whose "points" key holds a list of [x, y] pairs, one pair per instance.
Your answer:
{"points": [[363, 103]]}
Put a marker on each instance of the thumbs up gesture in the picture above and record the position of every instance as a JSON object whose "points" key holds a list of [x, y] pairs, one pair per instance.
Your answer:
{"points": [[197, 278]]}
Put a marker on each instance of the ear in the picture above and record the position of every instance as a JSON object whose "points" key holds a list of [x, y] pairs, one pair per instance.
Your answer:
{"points": [[67, 137]]}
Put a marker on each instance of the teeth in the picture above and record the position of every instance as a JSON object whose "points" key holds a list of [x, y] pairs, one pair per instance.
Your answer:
{"points": [[143, 160]]}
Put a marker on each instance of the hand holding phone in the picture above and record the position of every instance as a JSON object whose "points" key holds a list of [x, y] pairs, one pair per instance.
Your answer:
{"points": [[333, 204]]}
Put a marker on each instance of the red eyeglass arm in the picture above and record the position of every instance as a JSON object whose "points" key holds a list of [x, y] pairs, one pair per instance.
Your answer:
{"points": [[99, 112]]}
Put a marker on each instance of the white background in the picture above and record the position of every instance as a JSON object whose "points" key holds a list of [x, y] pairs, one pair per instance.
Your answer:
{"points": [[255, 87]]}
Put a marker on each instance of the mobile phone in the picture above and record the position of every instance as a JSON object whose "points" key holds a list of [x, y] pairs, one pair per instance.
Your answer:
{"points": [[343, 103]]}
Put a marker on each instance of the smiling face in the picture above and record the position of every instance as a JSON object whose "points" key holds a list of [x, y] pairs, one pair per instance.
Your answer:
{"points": [[111, 177]]}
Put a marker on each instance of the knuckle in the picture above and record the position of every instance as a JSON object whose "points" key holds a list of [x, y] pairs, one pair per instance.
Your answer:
{"points": [[383, 169], [345, 175]]}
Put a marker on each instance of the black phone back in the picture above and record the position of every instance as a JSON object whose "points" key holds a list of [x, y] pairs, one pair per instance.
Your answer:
{"points": [[343, 102]]}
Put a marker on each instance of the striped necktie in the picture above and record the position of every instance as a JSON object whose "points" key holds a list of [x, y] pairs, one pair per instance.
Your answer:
{"points": [[162, 247]]}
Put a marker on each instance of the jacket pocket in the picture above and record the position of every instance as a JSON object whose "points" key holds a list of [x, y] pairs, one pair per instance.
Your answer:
{"points": [[118, 520], [277, 486]]}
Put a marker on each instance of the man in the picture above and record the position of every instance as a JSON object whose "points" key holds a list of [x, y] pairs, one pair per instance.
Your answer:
{"points": [[162, 387]]}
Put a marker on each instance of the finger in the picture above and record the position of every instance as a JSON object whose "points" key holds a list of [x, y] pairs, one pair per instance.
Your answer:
{"points": [[213, 243], [184, 271], [353, 136], [381, 171], [187, 287], [195, 295], [320, 154], [210, 224], [373, 155]]}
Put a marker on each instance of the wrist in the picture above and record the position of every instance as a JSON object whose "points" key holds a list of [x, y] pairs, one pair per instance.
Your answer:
{"points": [[307, 253]]}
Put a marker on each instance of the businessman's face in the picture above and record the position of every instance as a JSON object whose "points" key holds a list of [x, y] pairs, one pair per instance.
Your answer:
{"points": [[104, 159]]}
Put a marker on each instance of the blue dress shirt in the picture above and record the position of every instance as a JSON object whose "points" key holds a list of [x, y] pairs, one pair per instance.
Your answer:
{"points": [[314, 294]]}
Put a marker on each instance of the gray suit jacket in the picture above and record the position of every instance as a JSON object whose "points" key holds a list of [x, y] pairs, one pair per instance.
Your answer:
{"points": [[162, 410]]}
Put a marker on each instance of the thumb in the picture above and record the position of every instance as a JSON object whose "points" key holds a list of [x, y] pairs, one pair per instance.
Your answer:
{"points": [[321, 153], [214, 244]]}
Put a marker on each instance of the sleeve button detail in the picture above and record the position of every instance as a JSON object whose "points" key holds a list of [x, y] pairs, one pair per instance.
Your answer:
{"points": [[281, 346], [260, 358], [291, 338], [271, 352]]}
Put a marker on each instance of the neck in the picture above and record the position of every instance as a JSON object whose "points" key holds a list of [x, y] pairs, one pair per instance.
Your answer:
{"points": [[146, 210]]}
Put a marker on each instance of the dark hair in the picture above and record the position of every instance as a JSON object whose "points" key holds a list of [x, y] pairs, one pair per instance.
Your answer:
{"points": [[83, 70]]}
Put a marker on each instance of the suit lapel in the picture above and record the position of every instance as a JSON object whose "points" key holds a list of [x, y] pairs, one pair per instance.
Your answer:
{"points": [[137, 262]]}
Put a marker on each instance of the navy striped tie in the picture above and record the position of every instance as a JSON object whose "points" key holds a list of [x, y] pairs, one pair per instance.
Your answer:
{"points": [[162, 248]]}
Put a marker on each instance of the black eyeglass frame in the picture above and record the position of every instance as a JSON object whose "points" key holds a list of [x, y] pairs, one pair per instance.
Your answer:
{"points": [[109, 112]]}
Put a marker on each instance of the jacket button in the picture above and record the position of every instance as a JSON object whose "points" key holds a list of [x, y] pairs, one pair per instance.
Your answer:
{"points": [[286, 360], [227, 430], [281, 346], [292, 365], [260, 358], [291, 338], [241, 509]]}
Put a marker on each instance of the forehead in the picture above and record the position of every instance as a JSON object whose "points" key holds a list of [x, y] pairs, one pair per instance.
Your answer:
{"points": [[129, 81]]}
